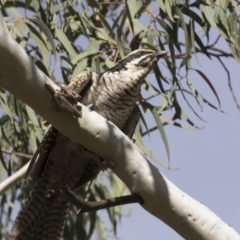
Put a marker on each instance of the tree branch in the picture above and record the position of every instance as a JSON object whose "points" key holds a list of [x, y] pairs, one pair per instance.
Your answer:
{"points": [[12, 180], [190, 218]]}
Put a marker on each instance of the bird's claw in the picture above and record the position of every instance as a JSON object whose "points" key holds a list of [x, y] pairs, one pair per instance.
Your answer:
{"points": [[65, 100]]}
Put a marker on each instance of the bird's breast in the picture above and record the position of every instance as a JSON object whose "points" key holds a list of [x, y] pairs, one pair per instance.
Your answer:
{"points": [[113, 96]]}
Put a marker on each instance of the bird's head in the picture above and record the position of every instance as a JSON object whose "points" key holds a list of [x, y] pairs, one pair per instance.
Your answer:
{"points": [[138, 63]]}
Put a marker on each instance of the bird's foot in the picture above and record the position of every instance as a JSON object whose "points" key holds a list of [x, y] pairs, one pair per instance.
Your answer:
{"points": [[65, 100]]}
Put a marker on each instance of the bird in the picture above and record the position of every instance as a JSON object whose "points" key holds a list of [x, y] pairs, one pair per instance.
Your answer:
{"points": [[113, 94]]}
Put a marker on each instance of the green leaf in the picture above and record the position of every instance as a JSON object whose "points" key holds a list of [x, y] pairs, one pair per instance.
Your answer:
{"points": [[184, 61], [187, 119], [16, 127], [42, 45], [165, 105], [109, 63], [33, 141], [93, 4], [161, 129], [176, 105], [209, 84], [2, 160], [192, 35], [132, 8], [148, 87], [47, 32], [32, 115], [176, 124], [54, 9], [188, 45], [100, 229], [80, 67], [145, 34], [201, 45], [192, 15], [146, 151], [6, 135], [144, 122], [138, 27], [168, 6], [67, 60], [206, 9], [165, 26], [161, 5], [159, 78], [155, 114], [36, 5], [27, 3], [10, 163], [65, 42], [199, 96], [42, 65], [234, 33], [91, 50], [82, 25], [104, 36], [37, 34], [106, 24], [4, 104]]}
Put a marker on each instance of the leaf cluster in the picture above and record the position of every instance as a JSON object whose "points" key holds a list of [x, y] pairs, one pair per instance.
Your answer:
{"points": [[65, 37]]}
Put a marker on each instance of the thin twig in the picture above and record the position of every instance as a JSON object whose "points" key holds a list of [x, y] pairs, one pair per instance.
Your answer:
{"points": [[230, 84], [18, 154], [84, 206], [216, 41]]}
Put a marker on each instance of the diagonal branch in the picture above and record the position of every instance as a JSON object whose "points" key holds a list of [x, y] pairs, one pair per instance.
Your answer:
{"points": [[12, 180]]}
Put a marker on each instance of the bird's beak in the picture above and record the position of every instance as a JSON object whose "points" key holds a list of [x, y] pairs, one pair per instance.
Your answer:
{"points": [[161, 54]]}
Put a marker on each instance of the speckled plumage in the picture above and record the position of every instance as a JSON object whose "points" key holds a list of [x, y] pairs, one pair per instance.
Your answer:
{"points": [[113, 94]]}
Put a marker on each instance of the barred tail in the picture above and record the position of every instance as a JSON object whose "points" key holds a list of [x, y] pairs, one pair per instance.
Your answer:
{"points": [[40, 218]]}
